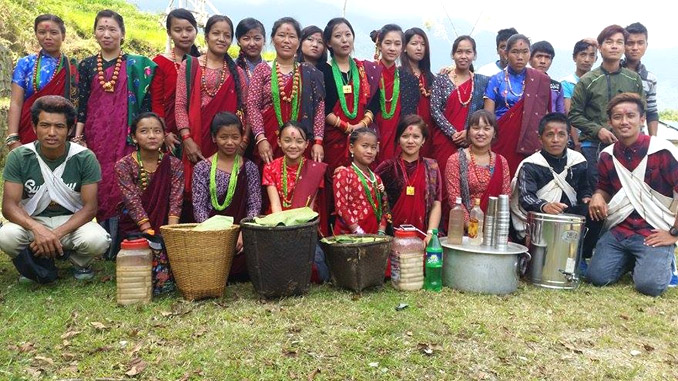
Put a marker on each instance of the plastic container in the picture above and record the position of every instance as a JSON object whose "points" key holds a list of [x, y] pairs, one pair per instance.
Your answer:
{"points": [[455, 229], [434, 264], [475, 224], [407, 261], [134, 279]]}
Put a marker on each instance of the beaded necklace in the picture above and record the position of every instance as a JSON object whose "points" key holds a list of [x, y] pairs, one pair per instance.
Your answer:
{"points": [[278, 92], [422, 86], [232, 183], [287, 195], [143, 173], [373, 180], [36, 69], [510, 88], [203, 79], [342, 89], [470, 95], [108, 86], [388, 114], [482, 179], [177, 65]]}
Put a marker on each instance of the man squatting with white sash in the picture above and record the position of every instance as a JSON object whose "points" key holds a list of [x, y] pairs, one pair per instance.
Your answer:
{"points": [[50, 198], [636, 197], [553, 180]]}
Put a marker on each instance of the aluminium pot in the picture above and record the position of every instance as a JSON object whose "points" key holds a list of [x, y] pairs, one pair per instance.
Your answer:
{"points": [[482, 269]]}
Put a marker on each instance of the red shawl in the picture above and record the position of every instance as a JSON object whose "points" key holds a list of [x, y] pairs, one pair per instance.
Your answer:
{"points": [[494, 186], [271, 122], [411, 209], [388, 127]]}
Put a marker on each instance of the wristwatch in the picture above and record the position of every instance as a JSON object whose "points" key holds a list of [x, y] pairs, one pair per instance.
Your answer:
{"points": [[673, 231]]}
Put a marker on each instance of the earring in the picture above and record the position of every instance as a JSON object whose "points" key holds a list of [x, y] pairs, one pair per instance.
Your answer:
{"points": [[376, 52]]}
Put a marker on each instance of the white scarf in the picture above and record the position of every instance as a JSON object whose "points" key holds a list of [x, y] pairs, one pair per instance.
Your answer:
{"points": [[551, 192], [53, 188], [635, 194]]}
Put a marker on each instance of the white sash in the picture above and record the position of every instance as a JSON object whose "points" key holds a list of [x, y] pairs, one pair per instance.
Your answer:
{"points": [[551, 192], [635, 194], [54, 188]]}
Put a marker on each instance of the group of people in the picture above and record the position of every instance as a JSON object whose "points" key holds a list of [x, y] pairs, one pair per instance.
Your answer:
{"points": [[369, 144]]}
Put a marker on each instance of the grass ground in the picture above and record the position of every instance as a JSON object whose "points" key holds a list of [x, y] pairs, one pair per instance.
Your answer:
{"points": [[75, 330]]}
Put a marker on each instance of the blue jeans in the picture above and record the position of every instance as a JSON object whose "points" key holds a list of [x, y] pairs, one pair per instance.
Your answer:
{"points": [[613, 258]]}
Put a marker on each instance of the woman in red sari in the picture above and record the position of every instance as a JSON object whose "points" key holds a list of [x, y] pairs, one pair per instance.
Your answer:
{"points": [[182, 29], [398, 89], [519, 97], [456, 94], [152, 186], [350, 88], [476, 171], [412, 182], [416, 59], [49, 72], [288, 91], [207, 85], [113, 91]]}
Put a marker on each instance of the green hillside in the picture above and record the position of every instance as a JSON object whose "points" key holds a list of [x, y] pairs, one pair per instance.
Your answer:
{"points": [[145, 34]]}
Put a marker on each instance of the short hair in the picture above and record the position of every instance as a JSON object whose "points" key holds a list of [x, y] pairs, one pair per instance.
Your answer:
{"points": [[543, 47], [142, 116], [610, 31], [292, 124], [553, 117], [582, 45], [224, 119], [50, 17], [637, 28], [626, 98], [107, 13], [514, 40], [483, 115], [53, 104], [505, 34], [409, 120]]}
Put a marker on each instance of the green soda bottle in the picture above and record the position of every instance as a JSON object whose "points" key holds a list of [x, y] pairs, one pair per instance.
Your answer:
{"points": [[433, 281]]}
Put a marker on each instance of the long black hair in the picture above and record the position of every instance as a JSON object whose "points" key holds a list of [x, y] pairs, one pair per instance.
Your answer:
{"points": [[142, 116], [244, 26], [306, 33], [232, 68], [468, 38], [50, 17], [183, 14], [425, 63], [327, 33], [223, 119], [377, 36]]}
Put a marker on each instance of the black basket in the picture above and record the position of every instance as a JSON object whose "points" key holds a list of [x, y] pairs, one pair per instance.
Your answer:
{"points": [[360, 265], [280, 259]]}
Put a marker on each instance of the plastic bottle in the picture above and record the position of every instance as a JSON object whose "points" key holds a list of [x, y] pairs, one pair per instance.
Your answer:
{"points": [[475, 224], [407, 260], [134, 279], [455, 228], [434, 264]]}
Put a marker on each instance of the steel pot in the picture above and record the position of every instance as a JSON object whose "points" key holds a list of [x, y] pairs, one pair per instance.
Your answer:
{"points": [[482, 269]]}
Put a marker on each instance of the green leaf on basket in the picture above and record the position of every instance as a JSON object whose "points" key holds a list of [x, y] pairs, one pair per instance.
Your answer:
{"points": [[289, 217], [215, 223]]}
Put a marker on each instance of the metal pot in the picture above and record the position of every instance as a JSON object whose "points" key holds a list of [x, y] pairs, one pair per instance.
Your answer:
{"points": [[482, 269]]}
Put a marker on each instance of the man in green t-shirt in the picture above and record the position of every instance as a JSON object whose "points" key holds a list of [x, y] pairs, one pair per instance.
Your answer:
{"points": [[50, 198]]}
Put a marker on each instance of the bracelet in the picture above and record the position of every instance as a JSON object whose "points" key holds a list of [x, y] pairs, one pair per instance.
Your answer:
{"points": [[318, 141], [260, 140], [186, 137], [337, 124], [429, 231], [78, 138], [345, 126]]}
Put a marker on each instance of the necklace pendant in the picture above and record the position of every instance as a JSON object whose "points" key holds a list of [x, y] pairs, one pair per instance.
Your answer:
{"points": [[409, 190], [347, 89]]}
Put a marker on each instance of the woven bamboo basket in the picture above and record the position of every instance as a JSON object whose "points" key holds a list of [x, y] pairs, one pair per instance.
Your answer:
{"points": [[200, 260], [357, 266]]}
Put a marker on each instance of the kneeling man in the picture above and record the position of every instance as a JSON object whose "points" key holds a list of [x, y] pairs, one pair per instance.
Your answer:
{"points": [[636, 196], [551, 181], [50, 198]]}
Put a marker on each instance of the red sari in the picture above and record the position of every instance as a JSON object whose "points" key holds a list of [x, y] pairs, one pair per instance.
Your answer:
{"points": [[163, 91], [64, 83], [509, 128], [387, 127], [424, 111]]}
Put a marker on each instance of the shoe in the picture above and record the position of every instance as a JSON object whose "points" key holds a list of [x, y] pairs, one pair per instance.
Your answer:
{"points": [[24, 280], [83, 273], [674, 280]]}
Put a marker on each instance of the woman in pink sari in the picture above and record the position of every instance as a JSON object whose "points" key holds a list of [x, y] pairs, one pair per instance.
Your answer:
{"points": [[114, 89]]}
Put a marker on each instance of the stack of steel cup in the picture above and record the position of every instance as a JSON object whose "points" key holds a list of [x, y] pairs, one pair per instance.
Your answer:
{"points": [[502, 220], [488, 227]]}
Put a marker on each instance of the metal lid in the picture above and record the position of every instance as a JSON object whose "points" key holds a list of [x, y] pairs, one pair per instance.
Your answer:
{"points": [[564, 217]]}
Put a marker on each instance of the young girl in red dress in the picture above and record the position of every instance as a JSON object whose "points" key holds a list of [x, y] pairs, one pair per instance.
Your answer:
{"points": [[361, 203]]}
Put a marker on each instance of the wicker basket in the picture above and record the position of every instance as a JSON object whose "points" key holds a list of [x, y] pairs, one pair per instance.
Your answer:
{"points": [[360, 265], [200, 260], [280, 259]]}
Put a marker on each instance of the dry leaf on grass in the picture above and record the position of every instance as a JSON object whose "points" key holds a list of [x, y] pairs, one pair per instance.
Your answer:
{"points": [[136, 366], [68, 356], [313, 374], [429, 349], [98, 326], [26, 347], [106, 278], [648, 347], [44, 360], [290, 353], [70, 334], [570, 347]]}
